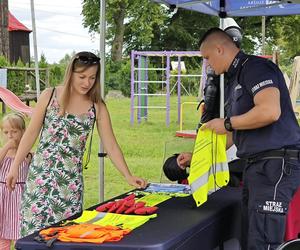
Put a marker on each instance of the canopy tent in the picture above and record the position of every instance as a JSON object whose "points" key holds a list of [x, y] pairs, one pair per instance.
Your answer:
{"points": [[226, 8], [222, 8]]}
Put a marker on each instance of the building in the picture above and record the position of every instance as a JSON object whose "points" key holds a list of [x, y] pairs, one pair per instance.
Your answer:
{"points": [[18, 40]]}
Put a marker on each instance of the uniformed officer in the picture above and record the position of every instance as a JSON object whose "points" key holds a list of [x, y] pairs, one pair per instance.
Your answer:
{"points": [[261, 123]]}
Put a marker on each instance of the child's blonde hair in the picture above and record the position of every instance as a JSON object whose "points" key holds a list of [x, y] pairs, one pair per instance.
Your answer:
{"points": [[16, 120]]}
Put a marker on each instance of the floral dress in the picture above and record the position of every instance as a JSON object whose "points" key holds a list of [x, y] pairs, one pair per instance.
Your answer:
{"points": [[54, 187]]}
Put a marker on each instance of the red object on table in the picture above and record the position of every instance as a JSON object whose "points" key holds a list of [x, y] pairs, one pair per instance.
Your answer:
{"points": [[292, 228], [146, 210]]}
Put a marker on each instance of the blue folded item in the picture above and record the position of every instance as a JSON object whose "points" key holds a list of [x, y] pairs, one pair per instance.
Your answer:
{"points": [[168, 188]]}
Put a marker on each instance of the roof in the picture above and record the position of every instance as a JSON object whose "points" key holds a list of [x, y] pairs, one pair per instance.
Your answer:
{"points": [[15, 25]]}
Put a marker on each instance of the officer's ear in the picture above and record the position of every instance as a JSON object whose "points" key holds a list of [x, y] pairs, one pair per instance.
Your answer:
{"points": [[219, 49]]}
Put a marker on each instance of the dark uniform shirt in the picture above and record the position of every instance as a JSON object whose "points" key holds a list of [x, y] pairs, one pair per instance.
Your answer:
{"points": [[247, 76]]}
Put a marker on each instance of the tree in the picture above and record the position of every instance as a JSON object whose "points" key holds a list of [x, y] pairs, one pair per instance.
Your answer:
{"points": [[67, 58], [4, 41], [135, 18], [287, 35], [43, 61], [183, 30]]}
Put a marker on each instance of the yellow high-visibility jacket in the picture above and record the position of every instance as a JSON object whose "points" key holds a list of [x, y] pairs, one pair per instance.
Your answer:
{"points": [[209, 169]]}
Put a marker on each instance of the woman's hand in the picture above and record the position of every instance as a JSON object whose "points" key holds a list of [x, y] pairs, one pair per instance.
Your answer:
{"points": [[11, 178], [136, 181]]}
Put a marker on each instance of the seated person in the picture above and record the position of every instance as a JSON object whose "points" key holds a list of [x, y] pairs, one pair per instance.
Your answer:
{"points": [[176, 167], [175, 172]]}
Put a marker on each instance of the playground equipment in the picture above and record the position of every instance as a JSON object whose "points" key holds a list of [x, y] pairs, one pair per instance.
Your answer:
{"points": [[25, 88], [139, 86], [187, 133], [11, 100]]}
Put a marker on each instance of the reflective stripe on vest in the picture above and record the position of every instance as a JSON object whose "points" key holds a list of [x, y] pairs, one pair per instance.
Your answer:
{"points": [[98, 217], [209, 168], [101, 218]]}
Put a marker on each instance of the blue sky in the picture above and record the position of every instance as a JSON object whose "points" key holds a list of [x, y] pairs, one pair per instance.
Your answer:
{"points": [[59, 27]]}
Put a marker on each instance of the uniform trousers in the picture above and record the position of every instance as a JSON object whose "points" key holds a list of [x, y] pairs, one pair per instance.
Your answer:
{"points": [[268, 186]]}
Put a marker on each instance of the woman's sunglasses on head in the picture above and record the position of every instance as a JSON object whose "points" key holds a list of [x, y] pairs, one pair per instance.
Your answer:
{"points": [[87, 60]]}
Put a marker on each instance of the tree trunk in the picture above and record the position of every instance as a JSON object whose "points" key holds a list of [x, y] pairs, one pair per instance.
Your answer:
{"points": [[4, 39], [117, 44]]}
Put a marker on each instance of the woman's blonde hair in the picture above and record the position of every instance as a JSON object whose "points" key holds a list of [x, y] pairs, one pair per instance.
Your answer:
{"points": [[79, 63], [16, 120]]}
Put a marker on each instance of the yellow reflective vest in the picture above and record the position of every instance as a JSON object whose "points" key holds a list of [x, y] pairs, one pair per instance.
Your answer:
{"points": [[209, 169]]}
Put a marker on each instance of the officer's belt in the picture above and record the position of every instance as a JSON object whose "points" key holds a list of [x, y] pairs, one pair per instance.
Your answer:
{"points": [[288, 154]]}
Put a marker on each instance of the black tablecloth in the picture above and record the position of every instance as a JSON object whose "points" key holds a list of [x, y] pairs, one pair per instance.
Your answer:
{"points": [[179, 225]]}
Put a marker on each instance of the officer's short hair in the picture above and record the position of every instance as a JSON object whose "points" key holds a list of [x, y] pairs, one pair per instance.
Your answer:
{"points": [[213, 31]]}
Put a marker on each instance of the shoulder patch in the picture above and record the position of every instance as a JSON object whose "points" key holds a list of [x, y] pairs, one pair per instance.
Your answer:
{"points": [[261, 84]]}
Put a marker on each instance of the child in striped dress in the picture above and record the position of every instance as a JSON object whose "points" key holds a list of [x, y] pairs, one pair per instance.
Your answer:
{"points": [[12, 128]]}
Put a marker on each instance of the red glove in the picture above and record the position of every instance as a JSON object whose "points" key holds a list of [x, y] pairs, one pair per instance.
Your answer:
{"points": [[145, 210], [130, 197], [134, 207], [104, 207], [127, 204], [116, 205]]}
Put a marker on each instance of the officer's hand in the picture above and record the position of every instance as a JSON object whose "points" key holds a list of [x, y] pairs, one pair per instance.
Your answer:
{"points": [[216, 125], [184, 159]]}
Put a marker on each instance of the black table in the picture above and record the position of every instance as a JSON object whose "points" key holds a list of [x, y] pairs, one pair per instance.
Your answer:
{"points": [[179, 225]]}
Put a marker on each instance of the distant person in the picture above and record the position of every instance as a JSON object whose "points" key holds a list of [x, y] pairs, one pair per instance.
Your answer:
{"points": [[65, 116], [261, 123], [12, 128]]}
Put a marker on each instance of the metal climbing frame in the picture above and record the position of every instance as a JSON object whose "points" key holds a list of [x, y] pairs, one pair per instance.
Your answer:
{"points": [[139, 86]]}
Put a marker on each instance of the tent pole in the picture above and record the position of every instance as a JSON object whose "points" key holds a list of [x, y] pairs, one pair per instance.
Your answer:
{"points": [[222, 81], [102, 29], [36, 59], [263, 33]]}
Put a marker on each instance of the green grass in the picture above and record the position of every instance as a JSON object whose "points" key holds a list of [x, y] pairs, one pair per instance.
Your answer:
{"points": [[143, 145]]}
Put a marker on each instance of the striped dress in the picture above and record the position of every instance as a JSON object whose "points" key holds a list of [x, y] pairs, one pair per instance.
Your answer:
{"points": [[10, 202]]}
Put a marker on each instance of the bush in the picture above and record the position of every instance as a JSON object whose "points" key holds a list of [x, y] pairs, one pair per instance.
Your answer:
{"points": [[57, 72], [16, 79], [118, 77], [3, 61]]}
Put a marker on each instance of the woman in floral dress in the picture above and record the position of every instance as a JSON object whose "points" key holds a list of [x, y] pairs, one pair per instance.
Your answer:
{"points": [[64, 116]]}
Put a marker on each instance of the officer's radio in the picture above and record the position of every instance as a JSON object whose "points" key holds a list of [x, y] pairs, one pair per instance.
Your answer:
{"points": [[211, 97]]}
